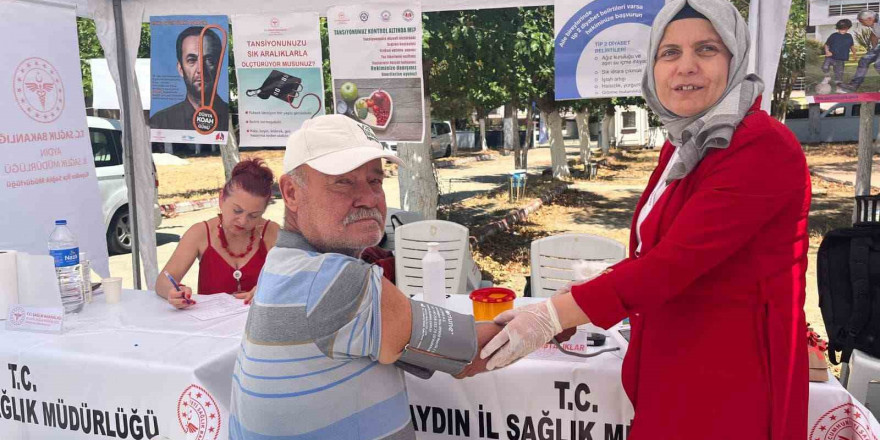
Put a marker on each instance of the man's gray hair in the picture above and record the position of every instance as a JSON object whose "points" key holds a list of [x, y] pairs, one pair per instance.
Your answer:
{"points": [[867, 14], [298, 175]]}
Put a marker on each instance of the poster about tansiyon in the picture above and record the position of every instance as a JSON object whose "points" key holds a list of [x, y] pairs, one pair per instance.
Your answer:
{"points": [[278, 64], [601, 46], [842, 53], [376, 61], [189, 79]]}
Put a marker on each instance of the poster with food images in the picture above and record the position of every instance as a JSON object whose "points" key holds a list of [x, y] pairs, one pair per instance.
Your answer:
{"points": [[189, 81], [376, 61], [280, 78], [601, 46]]}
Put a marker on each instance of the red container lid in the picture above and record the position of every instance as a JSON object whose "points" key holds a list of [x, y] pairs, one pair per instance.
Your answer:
{"points": [[493, 295]]}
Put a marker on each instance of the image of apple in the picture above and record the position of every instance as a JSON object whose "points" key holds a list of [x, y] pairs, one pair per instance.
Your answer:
{"points": [[361, 108], [349, 91]]}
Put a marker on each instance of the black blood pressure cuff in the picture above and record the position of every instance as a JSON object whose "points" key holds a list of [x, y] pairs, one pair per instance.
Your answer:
{"points": [[441, 340], [278, 84]]}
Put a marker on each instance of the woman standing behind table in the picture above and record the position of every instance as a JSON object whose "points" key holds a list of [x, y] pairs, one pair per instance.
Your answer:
{"points": [[714, 283], [232, 247]]}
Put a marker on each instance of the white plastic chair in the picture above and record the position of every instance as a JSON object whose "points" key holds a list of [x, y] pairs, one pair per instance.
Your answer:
{"points": [[863, 369], [474, 278], [395, 217], [552, 259], [411, 243]]}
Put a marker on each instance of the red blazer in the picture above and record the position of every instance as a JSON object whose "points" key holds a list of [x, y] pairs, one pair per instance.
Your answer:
{"points": [[716, 296]]}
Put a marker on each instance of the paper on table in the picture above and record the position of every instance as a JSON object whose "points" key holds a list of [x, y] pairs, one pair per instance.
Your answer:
{"points": [[577, 343], [215, 306]]}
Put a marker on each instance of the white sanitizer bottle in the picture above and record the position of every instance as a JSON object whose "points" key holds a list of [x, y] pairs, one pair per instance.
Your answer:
{"points": [[434, 276]]}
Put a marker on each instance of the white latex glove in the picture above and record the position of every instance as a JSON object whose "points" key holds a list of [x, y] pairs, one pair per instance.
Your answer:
{"points": [[526, 329], [584, 271]]}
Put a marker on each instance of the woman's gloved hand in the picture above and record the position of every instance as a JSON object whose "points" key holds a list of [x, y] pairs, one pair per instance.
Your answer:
{"points": [[526, 329]]}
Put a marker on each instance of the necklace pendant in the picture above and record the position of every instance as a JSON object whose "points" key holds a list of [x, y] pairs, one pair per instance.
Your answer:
{"points": [[237, 276]]}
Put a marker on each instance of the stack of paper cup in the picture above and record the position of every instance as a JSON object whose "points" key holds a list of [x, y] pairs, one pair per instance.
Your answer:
{"points": [[112, 289]]}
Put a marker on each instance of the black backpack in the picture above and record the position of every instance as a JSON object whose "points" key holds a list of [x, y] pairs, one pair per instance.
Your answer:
{"points": [[848, 272]]}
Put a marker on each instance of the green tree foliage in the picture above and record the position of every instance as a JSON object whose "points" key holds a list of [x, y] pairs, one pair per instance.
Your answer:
{"points": [[533, 56], [448, 46], [471, 53], [89, 47], [329, 105], [230, 69]]}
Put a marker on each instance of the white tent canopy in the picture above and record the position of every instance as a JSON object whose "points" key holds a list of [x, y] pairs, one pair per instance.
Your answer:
{"points": [[767, 38], [232, 7]]}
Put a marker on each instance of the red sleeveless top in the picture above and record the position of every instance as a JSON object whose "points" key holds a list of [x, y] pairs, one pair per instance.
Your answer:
{"points": [[215, 274]]}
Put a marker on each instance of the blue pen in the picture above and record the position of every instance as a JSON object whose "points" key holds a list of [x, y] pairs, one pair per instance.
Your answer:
{"points": [[177, 287]]}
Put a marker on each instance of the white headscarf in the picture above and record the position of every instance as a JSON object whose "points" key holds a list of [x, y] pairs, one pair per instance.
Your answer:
{"points": [[714, 126]]}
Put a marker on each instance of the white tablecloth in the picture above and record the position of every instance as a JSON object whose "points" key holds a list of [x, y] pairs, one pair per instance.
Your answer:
{"points": [[142, 367], [130, 369], [555, 396]]}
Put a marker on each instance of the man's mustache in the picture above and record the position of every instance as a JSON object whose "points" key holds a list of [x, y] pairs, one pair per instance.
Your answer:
{"points": [[364, 213]]}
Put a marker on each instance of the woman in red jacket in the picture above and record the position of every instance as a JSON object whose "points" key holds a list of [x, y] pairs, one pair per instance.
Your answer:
{"points": [[714, 283]]}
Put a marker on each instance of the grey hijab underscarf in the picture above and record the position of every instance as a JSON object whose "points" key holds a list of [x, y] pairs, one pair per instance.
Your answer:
{"points": [[713, 127]]}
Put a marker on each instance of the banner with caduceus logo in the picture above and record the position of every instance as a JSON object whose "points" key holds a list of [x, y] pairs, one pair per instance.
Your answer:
{"points": [[47, 169]]}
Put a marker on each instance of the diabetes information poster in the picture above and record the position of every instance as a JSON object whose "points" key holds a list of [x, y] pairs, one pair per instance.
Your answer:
{"points": [[601, 46]]}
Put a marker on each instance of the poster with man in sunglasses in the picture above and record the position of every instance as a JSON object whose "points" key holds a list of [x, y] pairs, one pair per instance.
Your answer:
{"points": [[192, 49]]}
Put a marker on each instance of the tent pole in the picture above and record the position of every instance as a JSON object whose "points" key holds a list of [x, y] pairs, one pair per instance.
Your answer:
{"points": [[122, 62]]}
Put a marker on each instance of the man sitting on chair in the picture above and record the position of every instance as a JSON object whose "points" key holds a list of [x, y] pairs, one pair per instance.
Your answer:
{"points": [[328, 338]]}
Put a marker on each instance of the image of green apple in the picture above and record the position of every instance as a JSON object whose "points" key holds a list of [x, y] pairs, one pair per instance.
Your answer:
{"points": [[349, 91]]}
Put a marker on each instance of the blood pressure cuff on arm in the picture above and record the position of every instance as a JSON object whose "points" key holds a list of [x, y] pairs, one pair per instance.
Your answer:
{"points": [[441, 340]]}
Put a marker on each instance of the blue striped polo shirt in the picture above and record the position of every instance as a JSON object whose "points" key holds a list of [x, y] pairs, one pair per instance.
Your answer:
{"points": [[308, 368]]}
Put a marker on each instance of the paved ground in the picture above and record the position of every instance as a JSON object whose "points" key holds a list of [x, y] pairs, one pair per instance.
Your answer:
{"points": [[845, 172], [456, 183]]}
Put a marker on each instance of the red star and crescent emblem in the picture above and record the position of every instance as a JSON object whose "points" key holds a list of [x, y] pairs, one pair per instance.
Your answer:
{"points": [[843, 422], [38, 90], [194, 417]]}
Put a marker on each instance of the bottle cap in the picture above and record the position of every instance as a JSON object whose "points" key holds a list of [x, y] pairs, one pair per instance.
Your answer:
{"points": [[493, 295], [432, 246], [60, 222]]}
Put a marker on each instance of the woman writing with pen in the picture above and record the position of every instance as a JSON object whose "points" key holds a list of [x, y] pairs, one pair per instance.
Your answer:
{"points": [[232, 247]]}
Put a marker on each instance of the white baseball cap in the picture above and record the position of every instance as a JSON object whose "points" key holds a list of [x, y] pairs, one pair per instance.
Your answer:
{"points": [[334, 145]]}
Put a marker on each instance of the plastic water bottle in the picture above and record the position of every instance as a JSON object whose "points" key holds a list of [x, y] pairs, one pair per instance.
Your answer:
{"points": [[434, 276], [65, 250]]}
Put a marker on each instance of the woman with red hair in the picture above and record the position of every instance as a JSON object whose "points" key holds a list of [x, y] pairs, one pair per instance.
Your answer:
{"points": [[232, 247]]}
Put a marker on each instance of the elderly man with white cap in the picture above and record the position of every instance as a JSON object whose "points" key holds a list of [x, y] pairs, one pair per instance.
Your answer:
{"points": [[328, 338]]}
